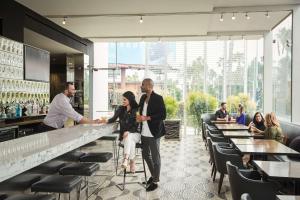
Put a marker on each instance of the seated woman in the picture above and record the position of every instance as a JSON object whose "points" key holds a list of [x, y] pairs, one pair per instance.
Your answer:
{"points": [[273, 130], [241, 117], [129, 134], [258, 123]]}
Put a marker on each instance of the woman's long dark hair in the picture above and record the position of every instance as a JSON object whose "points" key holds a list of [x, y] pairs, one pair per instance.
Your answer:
{"points": [[131, 98], [256, 122]]}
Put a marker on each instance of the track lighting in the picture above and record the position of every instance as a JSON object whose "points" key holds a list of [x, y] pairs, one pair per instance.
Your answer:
{"points": [[221, 18], [64, 21], [233, 16], [141, 19], [267, 14], [247, 16]]}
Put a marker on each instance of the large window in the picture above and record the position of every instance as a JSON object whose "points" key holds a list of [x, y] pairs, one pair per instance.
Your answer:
{"points": [[226, 70], [281, 71]]}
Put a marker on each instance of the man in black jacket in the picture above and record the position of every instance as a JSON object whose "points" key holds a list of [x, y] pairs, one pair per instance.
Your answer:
{"points": [[153, 112]]}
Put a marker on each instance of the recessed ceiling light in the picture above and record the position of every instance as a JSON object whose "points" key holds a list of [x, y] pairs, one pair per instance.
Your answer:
{"points": [[64, 21]]}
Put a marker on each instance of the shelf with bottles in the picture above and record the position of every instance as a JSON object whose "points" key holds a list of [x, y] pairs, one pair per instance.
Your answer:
{"points": [[29, 87], [11, 59]]}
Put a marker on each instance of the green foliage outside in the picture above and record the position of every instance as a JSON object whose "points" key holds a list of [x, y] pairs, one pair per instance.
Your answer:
{"points": [[244, 99], [172, 107], [199, 103]]}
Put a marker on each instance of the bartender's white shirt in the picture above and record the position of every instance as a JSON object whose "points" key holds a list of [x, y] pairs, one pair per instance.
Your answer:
{"points": [[60, 110]]}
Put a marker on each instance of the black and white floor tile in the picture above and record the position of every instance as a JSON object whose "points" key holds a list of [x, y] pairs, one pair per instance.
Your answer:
{"points": [[185, 174]]}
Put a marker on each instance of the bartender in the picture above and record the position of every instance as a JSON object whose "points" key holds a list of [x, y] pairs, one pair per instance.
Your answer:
{"points": [[61, 109]]}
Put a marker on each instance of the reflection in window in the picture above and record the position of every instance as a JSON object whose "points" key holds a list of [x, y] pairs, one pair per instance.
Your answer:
{"points": [[281, 71]]}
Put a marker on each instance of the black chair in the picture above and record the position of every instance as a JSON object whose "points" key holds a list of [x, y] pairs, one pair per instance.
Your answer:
{"points": [[211, 158], [121, 186], [81, 169], [248, 181], [246, 196], [20, 182], [30, 197], [221, 157], [58, 184], [219, 138]]}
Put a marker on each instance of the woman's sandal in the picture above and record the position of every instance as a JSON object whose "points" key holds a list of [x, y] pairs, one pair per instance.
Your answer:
{"points": [[132, 166], [125, 163]]}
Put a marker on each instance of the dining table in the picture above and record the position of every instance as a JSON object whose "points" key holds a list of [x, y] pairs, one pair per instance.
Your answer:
{"points": [[231, 127], [238, 134], [262, 147]]}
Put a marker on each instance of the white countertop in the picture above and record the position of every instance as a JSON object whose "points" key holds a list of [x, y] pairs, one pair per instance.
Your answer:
{"points": [[22, 154]]}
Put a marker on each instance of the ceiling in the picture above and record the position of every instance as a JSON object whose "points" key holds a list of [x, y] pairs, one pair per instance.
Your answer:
{"points": [[105, 20], [34, 39]]}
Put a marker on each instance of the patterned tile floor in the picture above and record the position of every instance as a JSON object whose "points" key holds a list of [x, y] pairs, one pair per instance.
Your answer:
{"points": [[185, 174]]}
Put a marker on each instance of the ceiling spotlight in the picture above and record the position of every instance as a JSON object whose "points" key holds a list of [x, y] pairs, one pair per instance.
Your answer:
{"points": [[247, 16], [64, 21], [221, 18], [159, 40], [233, 16], [267, 14], [141, 19]]}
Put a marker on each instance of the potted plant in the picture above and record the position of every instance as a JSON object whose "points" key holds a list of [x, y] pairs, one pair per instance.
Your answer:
{"points": [[172, 124]]}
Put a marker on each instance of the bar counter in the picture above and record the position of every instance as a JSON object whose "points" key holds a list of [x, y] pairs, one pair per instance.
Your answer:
{"points": [[22, 154]]}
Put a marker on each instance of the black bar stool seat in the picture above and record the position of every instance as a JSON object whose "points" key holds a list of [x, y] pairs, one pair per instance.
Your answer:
{"points": [[72, 156], [30, 197], [3, 196], [57, 184], [96, 157], [20, 182], [91, 144], [109, 137], [80, 169], [50, 167]]}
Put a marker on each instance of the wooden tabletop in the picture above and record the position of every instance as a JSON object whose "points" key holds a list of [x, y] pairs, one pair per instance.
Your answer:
{"points": [[231, 127], [253, 141], [223, 122], [287, 197], [265, 148], [237, 134], [277, 169]]}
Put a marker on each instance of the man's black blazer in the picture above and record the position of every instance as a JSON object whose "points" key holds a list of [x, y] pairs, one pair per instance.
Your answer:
{"points": [[157, 111]]}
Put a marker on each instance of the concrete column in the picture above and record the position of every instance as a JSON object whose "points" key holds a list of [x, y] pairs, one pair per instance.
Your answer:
{"points": [[296, 66], [100, 80], [123, 78], [268, 89]]}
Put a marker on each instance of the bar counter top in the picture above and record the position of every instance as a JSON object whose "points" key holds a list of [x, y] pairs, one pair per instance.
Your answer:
{"points": [[22, 154]]}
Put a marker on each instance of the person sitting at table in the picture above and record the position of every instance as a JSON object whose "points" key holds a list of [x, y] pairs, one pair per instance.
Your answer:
{"points": [[273, 130], [241, 117], [222, 113], [129, 134], [258, 123]]}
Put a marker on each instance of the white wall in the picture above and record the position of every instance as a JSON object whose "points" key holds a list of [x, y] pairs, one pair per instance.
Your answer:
{"points": [[100, 80], [268, 72], [296, 67]]}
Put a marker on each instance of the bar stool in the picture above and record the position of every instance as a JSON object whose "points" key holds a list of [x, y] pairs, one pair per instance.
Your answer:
{"points": [[112, 138], [3, 196], [72, 156], [20, 182], [58, 184], [81, 169], [96, 157], [30, 197], [121, 186], [50, 167]]}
